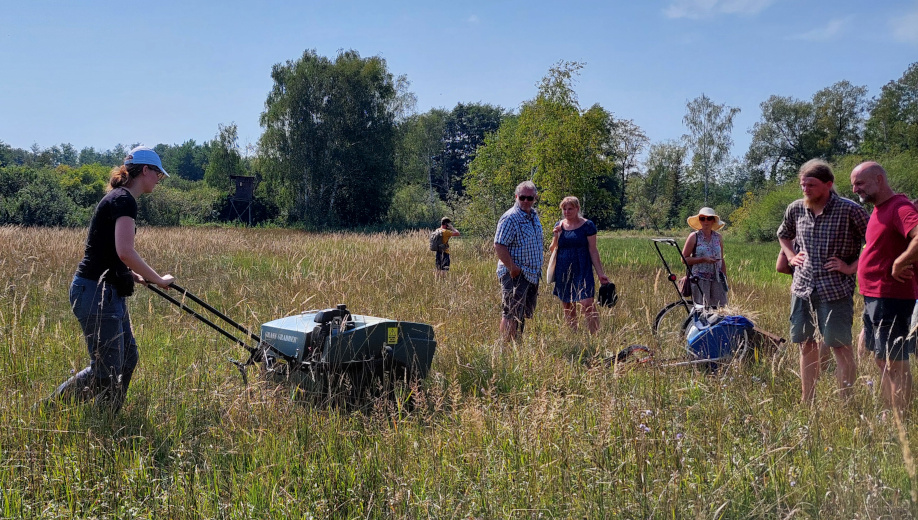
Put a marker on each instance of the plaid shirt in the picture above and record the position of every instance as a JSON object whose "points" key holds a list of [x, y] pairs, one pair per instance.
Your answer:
{"points": [[839, 231], [521, 232]]}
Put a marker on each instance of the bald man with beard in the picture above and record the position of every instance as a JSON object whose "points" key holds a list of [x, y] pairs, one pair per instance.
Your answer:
{"points": [[886, 276]]}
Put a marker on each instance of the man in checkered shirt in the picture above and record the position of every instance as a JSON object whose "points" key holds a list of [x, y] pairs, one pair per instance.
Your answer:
{"points": [[519, 245], [829, 231]]}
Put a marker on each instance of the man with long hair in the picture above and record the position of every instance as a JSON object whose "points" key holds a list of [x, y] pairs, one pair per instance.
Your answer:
{"points": [[829, 233]]}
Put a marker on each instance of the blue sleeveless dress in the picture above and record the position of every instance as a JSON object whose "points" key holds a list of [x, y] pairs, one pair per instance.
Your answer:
{"points": [[574, 267]]}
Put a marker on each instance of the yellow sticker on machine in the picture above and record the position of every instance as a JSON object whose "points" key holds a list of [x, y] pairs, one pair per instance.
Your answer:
{"points": [[392, 337]]}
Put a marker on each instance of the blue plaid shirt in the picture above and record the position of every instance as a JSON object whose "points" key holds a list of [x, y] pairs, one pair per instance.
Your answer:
{"points": [[521, 232]]}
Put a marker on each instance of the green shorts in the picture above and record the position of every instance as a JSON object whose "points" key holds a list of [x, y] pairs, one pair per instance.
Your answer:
{"points": [[833, 319]]}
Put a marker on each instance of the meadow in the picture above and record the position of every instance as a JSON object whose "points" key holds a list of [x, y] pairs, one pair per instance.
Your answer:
{"points": [[539, 429]]}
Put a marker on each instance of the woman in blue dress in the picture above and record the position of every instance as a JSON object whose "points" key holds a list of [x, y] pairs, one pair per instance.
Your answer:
{"points": [[575, 239]]}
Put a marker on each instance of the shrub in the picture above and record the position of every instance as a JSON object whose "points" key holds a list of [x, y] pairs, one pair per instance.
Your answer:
{"points": [[761, 213], [412, 206], [179, 202], [35, 197]]}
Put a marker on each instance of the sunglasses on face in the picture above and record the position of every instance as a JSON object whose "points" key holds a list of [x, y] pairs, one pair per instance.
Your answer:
{"points": [[706, 219], [526, 198], [159, 173]]}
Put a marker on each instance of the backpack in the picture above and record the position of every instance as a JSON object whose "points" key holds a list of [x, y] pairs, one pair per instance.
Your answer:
{"points": [[436, 239]]}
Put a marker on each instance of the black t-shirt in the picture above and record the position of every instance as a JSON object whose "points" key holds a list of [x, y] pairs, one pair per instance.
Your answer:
{"points": [[101, 254]]}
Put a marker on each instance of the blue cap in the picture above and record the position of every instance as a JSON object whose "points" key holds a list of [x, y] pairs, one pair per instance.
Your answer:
{"points": [[144, 155]]}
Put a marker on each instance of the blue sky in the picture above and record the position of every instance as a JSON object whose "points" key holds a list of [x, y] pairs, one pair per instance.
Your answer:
{"points": [[99, 73]]}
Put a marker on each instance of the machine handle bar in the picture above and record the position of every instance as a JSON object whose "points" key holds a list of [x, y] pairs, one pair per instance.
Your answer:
{"points": [[203, 319]]}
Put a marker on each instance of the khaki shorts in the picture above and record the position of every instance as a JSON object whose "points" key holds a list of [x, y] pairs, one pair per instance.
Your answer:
{"points": [[518, 297]]}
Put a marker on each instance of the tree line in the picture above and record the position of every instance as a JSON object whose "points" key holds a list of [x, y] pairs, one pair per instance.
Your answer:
{"points": [[343, 146]]}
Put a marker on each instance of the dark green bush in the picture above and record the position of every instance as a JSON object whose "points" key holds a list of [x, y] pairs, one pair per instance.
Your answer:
{"points": [[761, 213]]}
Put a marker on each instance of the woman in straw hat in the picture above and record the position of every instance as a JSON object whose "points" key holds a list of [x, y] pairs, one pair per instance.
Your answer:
{"points": [[704, 253]]}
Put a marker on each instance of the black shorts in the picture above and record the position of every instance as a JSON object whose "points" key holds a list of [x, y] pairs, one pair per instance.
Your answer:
{"points": [[442, 261], [886, 327]]}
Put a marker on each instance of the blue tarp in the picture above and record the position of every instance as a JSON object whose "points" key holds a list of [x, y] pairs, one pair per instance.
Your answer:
{"points": [[717, 340]]}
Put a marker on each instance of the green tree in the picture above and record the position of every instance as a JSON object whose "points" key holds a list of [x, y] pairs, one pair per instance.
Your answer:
{"points": [[225, 159], [655, 198], [893, 123], [84, 185], [64, 154], [187, 160], [839, 112], [417, 144], [627, 143], [7, 155], [793, 131], [783, 139], [329, 138], [464, 130], [113, 157], [761, 212], [553, 143], [709, 137]]}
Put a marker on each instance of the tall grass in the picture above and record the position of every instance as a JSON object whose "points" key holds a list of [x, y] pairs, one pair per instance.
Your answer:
{"points": [[540, 429]]}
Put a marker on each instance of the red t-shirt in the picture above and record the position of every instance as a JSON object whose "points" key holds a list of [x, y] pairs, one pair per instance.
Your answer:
{"points": [[887, 238]]}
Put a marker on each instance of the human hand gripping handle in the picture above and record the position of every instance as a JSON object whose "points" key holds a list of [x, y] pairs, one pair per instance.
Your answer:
{"points": [[164, 281]]}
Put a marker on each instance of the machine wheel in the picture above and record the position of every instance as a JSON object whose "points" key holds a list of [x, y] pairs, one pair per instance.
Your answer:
{"points": [[670, 329], [633, 354]]}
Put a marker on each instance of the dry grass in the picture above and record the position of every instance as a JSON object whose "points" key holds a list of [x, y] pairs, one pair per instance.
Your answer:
{"points": [[539, 429]]}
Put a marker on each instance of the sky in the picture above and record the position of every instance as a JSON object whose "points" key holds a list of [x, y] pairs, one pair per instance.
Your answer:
{"points": [[102, 73]]}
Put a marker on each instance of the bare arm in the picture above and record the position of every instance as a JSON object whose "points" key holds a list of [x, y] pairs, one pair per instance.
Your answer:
{"points": [[837, 264], [903, 267], [124, 245], [503, 254], [723, 264], [555, 233], [597, 263], [793, 258], [689, 250]]}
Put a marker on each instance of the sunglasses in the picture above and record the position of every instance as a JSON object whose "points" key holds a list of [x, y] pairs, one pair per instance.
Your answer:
{"points": [[706, 219], [160, 175], [526, 198]]}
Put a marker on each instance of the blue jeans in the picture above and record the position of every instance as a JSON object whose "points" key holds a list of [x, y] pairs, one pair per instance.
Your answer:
{"points": [[106, 324]]}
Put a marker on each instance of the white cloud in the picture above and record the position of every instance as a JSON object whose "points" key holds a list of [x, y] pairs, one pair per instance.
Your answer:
{"points": [[695, 9], [825, 33], [905, 28], [472, 19]]}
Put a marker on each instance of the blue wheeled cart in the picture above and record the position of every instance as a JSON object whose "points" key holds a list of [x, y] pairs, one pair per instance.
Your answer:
{"points": [[685, 333]]}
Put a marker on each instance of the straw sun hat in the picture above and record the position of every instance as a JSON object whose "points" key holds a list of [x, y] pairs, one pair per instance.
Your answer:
{"points": [[708, 212]]}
